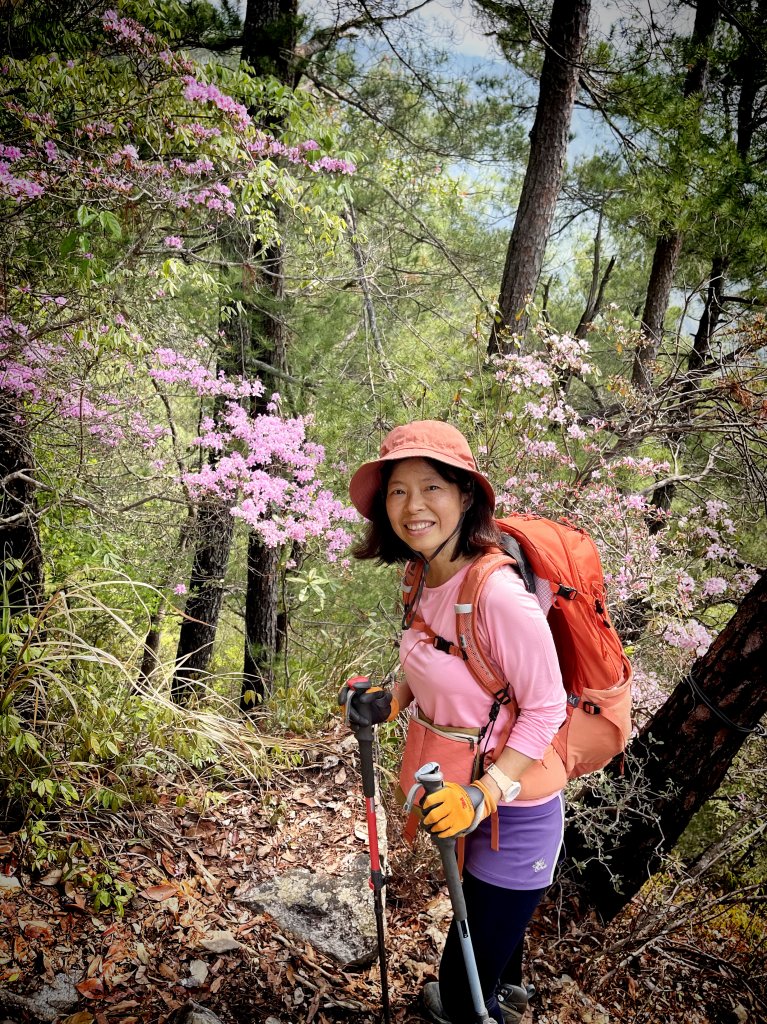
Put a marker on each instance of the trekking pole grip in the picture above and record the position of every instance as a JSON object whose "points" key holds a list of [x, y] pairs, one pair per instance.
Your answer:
{"points": [[431, 778]]}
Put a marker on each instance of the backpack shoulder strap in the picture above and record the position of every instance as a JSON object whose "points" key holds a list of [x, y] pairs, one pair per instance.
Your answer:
{"points": [[466, 615], [512, 547]]}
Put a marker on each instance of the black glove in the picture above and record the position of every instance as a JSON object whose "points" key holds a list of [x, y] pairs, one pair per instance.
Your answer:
{"points": [[369, 706]]}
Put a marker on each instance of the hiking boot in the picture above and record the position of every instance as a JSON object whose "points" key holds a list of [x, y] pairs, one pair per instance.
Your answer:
{"points": [[433, 1003], [512, 1000]]}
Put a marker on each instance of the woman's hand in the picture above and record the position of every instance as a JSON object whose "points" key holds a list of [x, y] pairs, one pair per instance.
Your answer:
{"points": [[370, 706], [456, 810]]}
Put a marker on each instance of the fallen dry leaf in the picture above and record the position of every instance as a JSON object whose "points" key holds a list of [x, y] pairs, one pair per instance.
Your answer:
{"points": [[168, 863], [220, 942], [81, 1017], [37, 930], [159, 893], [167, 972], [90, 988]]}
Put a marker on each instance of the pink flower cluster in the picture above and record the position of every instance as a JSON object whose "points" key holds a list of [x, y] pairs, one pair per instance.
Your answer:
{"points": [[13, 185], [267, 474], [333, 165], [129, 31], [267, 146], [688, 636], [202, 92], [174, 368]]}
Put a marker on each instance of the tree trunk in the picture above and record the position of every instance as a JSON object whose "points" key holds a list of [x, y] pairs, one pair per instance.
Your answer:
{"points": [[598, 284], [22, 560], [669, 243], [709, 319], [684, 753], [664, 261], [746, 71], [269, 38], [261, 614], [269, 41], [254, 330], [565, 43], [215, 527]]}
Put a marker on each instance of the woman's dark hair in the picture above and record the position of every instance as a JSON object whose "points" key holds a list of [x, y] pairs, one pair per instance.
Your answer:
{"points": [[478, 530]]}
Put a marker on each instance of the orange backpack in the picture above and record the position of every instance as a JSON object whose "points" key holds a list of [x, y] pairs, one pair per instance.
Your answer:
{"points": [[595, 671]]}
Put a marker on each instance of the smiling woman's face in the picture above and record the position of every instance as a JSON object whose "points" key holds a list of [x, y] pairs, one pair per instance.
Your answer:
{"points": [[423, 508]]}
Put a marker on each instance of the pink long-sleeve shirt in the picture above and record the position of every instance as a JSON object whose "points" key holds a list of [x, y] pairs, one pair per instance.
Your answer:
{"points": [[512, 629]]}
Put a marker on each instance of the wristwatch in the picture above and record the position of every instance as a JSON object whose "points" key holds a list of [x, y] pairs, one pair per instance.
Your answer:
{"points": [[509, 788]]}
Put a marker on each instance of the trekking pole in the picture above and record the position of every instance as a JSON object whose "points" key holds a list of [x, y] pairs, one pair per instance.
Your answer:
{"points": [[364, 734], [430, 777]]}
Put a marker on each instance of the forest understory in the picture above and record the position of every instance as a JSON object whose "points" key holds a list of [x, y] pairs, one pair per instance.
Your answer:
{"points": [[189, 866]]}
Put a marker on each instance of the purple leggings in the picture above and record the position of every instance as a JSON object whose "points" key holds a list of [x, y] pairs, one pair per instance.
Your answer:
{"points": [[497, 920]]}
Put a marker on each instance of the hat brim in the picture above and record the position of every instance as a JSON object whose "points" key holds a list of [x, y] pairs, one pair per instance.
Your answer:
{"points": [[366, 482]]}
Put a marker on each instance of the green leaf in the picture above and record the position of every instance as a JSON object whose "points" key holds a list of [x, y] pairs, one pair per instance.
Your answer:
{"points": [[110, 224], [85, 216]]}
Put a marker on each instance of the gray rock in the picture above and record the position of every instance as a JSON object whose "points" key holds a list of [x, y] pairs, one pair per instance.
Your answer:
{"points": [[334, 914], [49, 1002], [194, 1013]]}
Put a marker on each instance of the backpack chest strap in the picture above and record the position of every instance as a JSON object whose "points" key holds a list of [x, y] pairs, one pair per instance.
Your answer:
{"points": [[437, 641]]}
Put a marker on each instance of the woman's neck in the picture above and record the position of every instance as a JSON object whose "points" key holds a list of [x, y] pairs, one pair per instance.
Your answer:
{"points": [[442, 569]]}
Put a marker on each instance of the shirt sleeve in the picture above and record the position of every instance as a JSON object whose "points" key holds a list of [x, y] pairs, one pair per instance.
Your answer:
{"points": [[513, 630]]}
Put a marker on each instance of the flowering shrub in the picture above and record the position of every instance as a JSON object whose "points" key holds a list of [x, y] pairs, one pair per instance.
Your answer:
{"points": [[560, 459], [125, 158]]}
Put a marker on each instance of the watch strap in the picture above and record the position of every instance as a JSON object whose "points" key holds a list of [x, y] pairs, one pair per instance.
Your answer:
{"points": [[509, 787]]}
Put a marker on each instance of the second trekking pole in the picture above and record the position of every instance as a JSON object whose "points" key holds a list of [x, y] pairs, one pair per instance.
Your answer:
{"points": [[364, 734], [430, 777]]}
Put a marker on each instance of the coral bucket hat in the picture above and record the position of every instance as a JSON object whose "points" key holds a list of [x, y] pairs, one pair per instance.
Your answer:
{"points": [[422, 439]]}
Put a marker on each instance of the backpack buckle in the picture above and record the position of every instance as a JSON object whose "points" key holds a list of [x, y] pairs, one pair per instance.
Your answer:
{"points": [[442, 644], [588, 707], [502, 696], [568, 593]]}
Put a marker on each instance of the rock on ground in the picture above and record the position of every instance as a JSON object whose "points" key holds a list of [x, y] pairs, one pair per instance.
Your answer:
{"points": [[194, 1013], [333, 913], [48, 1003]]}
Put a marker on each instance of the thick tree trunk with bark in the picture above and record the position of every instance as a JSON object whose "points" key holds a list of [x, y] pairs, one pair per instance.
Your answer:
{"points": [[568, 29], [215, 527], [269, 42], [254, 331], [684, 753], [664, 261], [261, 622], [269, 38], [267, 343], [669, 243]]}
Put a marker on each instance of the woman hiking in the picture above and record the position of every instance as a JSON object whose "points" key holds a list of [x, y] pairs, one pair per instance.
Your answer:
{"points": [[425, 501]]}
